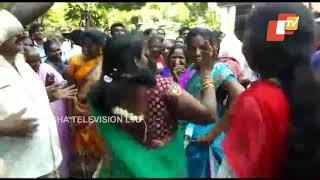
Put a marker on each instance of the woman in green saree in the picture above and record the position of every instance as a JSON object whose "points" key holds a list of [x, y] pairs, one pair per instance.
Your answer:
{"points": [[147, 143]]}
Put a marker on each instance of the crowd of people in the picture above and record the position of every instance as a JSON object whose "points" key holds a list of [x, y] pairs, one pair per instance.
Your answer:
{"points": [[204, 105]]}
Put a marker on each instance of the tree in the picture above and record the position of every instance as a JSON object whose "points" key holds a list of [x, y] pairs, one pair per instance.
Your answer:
{"points": [[75, 13], [212, 20], [170, 15], [197, 11], [5, 5], [127, 6], [98, 11]]}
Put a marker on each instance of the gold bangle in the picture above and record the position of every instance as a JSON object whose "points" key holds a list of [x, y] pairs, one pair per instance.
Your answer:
{"points": [[202, 77], [209, 85], [205, 87], [206, 79], [207, 82]]}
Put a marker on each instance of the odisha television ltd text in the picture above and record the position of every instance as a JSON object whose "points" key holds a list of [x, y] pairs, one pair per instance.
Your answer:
{"points": [[95, 119]]}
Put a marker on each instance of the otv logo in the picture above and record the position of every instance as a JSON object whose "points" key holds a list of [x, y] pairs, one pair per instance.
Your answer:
{"points": [[285, 25]]}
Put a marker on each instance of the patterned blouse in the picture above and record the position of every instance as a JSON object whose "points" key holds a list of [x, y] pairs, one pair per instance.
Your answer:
{"points": [[160, 122]]}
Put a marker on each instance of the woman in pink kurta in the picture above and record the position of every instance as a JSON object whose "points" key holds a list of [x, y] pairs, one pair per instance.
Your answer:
{"points": [[58, 107]]}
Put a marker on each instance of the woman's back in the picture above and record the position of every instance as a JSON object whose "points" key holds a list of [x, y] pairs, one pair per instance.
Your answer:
{"points": [[160, 121], [255, 145]]}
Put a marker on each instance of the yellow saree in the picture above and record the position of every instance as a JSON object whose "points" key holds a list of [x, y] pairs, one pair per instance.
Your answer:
{"points": [[85, 139]]}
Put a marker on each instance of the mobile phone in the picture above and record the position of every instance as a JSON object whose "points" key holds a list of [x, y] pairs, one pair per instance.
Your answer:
{"points": [[50, 79]]}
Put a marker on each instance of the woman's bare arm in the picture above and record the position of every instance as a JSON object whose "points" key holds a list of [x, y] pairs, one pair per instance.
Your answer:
{"points": [[186, 107], [28, 12], [234, 89]]}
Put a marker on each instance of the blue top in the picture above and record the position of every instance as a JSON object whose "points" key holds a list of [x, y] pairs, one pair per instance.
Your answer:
{"points": [[165, 72], [220, 73], [41, 52]]}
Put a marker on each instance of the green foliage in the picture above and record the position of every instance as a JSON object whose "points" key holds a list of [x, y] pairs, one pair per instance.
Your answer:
{"points": [[75, 13], [197, 9], [178, 12], [212, 20], [196, 12], [171, 15], [5, 5], [100, 13], [200, 14], [127, 6]]}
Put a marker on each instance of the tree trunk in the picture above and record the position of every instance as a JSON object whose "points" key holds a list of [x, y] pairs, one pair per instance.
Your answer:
{"points": [[42, 19]]}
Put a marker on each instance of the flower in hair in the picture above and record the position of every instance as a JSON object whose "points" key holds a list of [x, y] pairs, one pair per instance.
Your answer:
{"points": [[130, 116], [107, 78]]}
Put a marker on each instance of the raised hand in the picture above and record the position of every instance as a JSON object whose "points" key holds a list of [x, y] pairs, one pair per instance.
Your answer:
{"points": [[69, 92], [178, 71], [207, 57], [61, 91]]}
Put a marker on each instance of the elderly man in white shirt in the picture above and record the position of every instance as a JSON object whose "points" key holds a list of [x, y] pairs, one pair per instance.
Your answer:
{"points": [[29, 143]]}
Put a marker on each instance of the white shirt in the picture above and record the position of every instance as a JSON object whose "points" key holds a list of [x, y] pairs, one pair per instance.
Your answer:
{"points": [[231, 46], [41, 154], [65, 51], [68, 52], [41, 51], [75, 51]]}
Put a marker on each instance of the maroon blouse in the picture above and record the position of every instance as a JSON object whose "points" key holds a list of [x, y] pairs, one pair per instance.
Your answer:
{"points": [[160, 121]]}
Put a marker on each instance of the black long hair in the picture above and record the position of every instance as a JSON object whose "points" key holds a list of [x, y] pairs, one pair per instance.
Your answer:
{"points": [[289, 62], [205, 33], [97, 37], [119, 63], [214, 37]]}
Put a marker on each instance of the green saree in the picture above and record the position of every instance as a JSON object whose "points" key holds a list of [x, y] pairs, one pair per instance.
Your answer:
{"points": [[129, 159]]}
